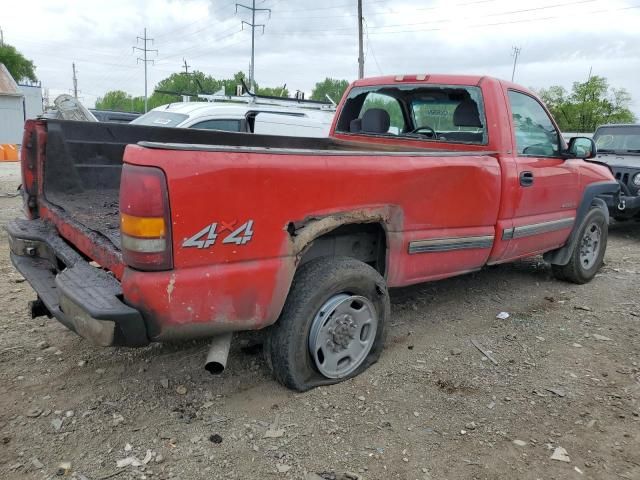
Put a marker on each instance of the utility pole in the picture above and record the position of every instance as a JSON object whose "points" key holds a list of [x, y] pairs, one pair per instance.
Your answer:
{"points": [[186, 67], [253, 35], [360, 47], [1, 37], [75, 81], [144, 51], [515, 54]]}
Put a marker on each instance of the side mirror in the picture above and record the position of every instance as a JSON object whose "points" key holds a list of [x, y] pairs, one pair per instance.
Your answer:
{"points": [[581, 147]]}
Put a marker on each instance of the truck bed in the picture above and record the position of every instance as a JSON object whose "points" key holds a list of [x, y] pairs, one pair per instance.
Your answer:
{"points": [[96, 209], [84, 160]]}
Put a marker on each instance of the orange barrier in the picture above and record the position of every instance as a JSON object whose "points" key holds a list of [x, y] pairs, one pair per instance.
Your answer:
{"points": [[9, 153]]}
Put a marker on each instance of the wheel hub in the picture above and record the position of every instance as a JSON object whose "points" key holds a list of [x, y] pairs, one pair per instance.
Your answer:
{"points": [[342, 334], [590, 245]]}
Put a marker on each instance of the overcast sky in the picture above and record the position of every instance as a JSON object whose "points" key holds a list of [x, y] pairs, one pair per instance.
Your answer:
{"points": [[305, 41]]}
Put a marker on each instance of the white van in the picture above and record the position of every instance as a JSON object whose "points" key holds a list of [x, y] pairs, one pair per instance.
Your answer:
{"points": [[249, 114]]}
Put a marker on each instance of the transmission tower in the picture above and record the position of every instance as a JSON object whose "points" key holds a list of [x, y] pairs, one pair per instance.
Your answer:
{"points": [[144, 60], [253, 26]]}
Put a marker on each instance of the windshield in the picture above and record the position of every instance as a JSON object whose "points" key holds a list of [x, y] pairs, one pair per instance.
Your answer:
{"points": [[444, 113], [160, 119], [618, 139]]}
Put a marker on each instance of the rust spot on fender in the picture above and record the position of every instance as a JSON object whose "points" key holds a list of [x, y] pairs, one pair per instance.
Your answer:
{"points": [[302, 233]]}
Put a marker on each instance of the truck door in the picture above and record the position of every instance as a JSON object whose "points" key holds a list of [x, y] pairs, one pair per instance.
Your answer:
{"points": [[547, 194]]}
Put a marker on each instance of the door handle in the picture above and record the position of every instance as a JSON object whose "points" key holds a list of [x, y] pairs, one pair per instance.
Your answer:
{"points": [[526, 179]]}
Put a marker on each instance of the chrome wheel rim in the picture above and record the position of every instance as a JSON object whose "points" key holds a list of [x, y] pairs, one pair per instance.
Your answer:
{"points": [[342, 334], [590, 245]]}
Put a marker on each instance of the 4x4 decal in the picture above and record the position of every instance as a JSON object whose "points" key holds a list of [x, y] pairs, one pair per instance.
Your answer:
{"points": [[209, 234]]}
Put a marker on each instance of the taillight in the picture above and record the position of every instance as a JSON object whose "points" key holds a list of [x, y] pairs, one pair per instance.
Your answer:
{"points": [[145, 218], [28, 166]]}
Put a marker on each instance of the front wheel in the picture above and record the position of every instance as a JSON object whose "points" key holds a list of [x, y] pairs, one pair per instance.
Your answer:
{"points": [[332, 325], [588, 252]]}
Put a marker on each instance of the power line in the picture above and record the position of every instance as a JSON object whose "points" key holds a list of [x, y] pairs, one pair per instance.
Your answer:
{"points": [[457, 19], [222, 47], [370, 46], [144, 60], [342, 6], [497, 14], [253, 26], [200, 47], [207, 20], [211, 25], [506, 22], [474, 2], [335, 32]]}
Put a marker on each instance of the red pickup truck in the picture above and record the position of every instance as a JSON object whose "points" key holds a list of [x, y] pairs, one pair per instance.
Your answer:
{"points": [[139, 234]]}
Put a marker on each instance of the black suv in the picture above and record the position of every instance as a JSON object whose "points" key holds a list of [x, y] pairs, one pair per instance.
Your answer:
{"points": [[619, 147]]}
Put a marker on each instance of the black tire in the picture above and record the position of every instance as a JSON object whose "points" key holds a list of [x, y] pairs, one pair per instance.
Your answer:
{"points": [[575, 271], [314, 283]]}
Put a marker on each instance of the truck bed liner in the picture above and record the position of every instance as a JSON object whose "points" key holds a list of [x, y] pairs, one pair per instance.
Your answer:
{"points": [[96, 209]]}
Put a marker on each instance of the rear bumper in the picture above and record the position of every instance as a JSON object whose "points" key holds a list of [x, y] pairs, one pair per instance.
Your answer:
{"points": [[84, 298]]}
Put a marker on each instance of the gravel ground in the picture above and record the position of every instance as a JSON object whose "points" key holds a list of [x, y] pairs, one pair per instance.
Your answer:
{"points": [[567, 379]]}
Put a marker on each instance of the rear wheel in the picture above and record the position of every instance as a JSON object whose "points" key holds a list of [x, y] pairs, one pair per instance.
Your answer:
{"points": [[332, 324], [588, 253]]}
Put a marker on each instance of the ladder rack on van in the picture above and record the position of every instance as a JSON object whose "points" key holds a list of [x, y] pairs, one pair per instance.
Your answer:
{"points": [[253, 99]]}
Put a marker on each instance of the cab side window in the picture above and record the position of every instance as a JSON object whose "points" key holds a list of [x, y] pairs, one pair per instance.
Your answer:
{"points": [[219, 124], [536, 136]]}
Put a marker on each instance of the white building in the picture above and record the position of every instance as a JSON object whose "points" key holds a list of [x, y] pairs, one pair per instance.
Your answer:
{"points": [[32, 100], [11, 108]]}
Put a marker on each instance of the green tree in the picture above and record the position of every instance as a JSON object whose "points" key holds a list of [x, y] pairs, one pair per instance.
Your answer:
{"points": [[273, 91], [19, 67], [329, 86], [588, 105], [231, 83], [171, 89], [116, 100], [194, 83]]}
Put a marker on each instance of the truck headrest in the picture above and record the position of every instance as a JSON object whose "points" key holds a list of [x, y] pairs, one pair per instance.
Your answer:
{"points": [[376, 120], [466, 114]]}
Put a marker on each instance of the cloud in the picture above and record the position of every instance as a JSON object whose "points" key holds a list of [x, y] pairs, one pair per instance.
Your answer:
{"points": [[305, 41]]}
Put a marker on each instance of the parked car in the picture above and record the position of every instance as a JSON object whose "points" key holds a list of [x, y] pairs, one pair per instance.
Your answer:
{"points": [[619, 148], [246, 114], [113, 116], [138, 234]]}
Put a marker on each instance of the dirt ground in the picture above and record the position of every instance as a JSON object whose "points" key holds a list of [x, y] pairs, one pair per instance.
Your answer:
{"points": [[567, 375]]}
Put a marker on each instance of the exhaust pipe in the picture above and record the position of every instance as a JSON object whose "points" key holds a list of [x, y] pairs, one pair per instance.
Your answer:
{"points": [[218, 353]]}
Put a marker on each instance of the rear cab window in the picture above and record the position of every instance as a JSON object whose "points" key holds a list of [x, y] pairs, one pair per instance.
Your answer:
{"points": [[443, 113]]}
